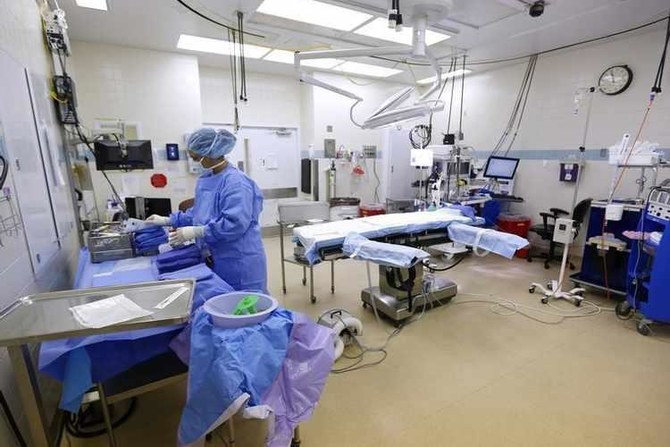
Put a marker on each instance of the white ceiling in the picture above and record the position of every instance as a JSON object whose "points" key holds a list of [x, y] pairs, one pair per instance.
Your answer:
{"points": [[485, 29]]}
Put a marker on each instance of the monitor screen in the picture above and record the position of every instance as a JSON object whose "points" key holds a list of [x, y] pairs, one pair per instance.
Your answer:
{"points": [[113, 155], [501, 167], [452, 168]]}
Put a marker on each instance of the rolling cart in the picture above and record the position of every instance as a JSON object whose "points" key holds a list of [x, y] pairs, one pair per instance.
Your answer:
{"points": [[648, 278]]}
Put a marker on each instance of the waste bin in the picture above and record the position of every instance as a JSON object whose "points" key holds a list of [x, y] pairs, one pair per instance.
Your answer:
{"points": [[515, 224]]}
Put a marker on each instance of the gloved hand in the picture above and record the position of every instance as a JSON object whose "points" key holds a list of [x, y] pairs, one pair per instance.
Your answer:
{"points": [[185, 234], [157, 220]]}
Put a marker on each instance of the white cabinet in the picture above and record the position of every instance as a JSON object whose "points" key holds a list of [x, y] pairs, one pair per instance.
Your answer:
{"points": [[22, 149]]}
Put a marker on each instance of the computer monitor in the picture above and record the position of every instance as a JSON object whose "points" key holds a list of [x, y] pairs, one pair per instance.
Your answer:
{"points": [[143, 207], [123, 155], [452, 168], [501, 167]]}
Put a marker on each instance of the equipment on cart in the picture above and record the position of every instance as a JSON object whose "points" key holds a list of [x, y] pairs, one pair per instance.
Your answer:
{"points": [[110, 242], [649, 265], [564, 233], [344, 325]]}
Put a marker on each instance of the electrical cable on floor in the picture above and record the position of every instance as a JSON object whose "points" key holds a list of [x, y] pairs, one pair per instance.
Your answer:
{"points": [[77, 426], [506, 308]]}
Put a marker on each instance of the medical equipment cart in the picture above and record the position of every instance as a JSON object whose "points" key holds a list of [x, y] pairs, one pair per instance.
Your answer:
{"points": [[605, 268], [37, 318], [293, 215], [648, 278]]}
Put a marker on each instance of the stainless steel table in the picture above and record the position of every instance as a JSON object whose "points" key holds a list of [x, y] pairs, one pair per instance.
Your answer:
{"points": [[47, 316]]}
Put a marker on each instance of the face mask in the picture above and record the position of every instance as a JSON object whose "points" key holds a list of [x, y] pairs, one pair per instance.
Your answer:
{"points": [[222, 162]]}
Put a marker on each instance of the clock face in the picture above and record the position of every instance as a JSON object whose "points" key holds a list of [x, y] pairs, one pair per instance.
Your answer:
{"points": [[615, 79]]}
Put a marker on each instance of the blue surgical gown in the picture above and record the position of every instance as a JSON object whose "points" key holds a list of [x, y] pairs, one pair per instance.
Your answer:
{"points": [[228, 205]]}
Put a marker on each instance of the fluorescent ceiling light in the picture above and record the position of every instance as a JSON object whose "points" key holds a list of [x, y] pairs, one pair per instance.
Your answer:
{"points": [[281, 56], [286, 57], [92, 4], [216, 46], [326, 64], [315, 13], [367, 69], [379, 29], [451, 74]]}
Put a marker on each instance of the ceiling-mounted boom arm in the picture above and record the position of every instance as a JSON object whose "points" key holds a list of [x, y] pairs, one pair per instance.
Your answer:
{"points": [[387, 113]]}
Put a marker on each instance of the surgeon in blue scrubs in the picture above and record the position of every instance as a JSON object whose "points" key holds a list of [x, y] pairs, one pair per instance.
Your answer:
{"points": [[225, 215]]}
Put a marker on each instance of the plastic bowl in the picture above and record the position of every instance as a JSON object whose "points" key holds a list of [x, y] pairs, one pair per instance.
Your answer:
{"points": [[221, 309]]}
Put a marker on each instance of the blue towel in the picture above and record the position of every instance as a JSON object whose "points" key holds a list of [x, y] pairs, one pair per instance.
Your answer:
{"points": [[150, 233], [185, 252], [178, 259], [148, 240]]}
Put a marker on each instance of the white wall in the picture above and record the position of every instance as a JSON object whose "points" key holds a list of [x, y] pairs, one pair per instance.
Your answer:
{"points": [[332, 109], [159, 90], [277, 101], [273, 100], [21, 37], [550, 129]]}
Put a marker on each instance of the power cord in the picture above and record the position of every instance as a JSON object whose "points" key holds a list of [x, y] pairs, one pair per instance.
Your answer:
{"points": [[4, 171], [506, 308]]}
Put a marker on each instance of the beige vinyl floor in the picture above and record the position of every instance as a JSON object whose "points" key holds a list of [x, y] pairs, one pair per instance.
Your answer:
{"points": [[464, 375]]}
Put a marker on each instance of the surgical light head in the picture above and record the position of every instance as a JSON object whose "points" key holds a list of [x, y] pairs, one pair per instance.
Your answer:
{"points": [[389, 112], [211, 143]]}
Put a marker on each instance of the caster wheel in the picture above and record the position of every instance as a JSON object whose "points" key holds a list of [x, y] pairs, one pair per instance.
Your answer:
{"points": [[312, 299], [623, 310], [304, 281], [546, 266], [549, 285], [643, 328], [578, 303], [545, 300], [283, 290], [531, 289], [365, 305], [332, 290]]}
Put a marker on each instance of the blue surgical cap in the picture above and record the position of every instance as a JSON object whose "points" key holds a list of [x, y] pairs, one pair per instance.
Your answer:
{"points": [[212, 143]]}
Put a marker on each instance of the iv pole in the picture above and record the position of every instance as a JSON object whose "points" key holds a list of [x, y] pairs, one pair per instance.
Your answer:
{"points": [[582, 148]]}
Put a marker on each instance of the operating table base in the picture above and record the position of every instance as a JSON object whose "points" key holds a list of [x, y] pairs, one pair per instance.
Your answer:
{"points": [[398, 310]]}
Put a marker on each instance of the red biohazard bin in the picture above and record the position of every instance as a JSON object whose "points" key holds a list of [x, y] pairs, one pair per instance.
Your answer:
{"points": [[515, 224], [371, 209]]}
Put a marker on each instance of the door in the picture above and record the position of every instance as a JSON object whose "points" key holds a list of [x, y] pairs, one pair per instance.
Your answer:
{"points": [[400, 173], [271, 157]]}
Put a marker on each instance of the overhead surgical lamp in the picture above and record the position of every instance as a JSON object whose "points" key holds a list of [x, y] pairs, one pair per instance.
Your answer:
{"points": [[389, 112]]}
